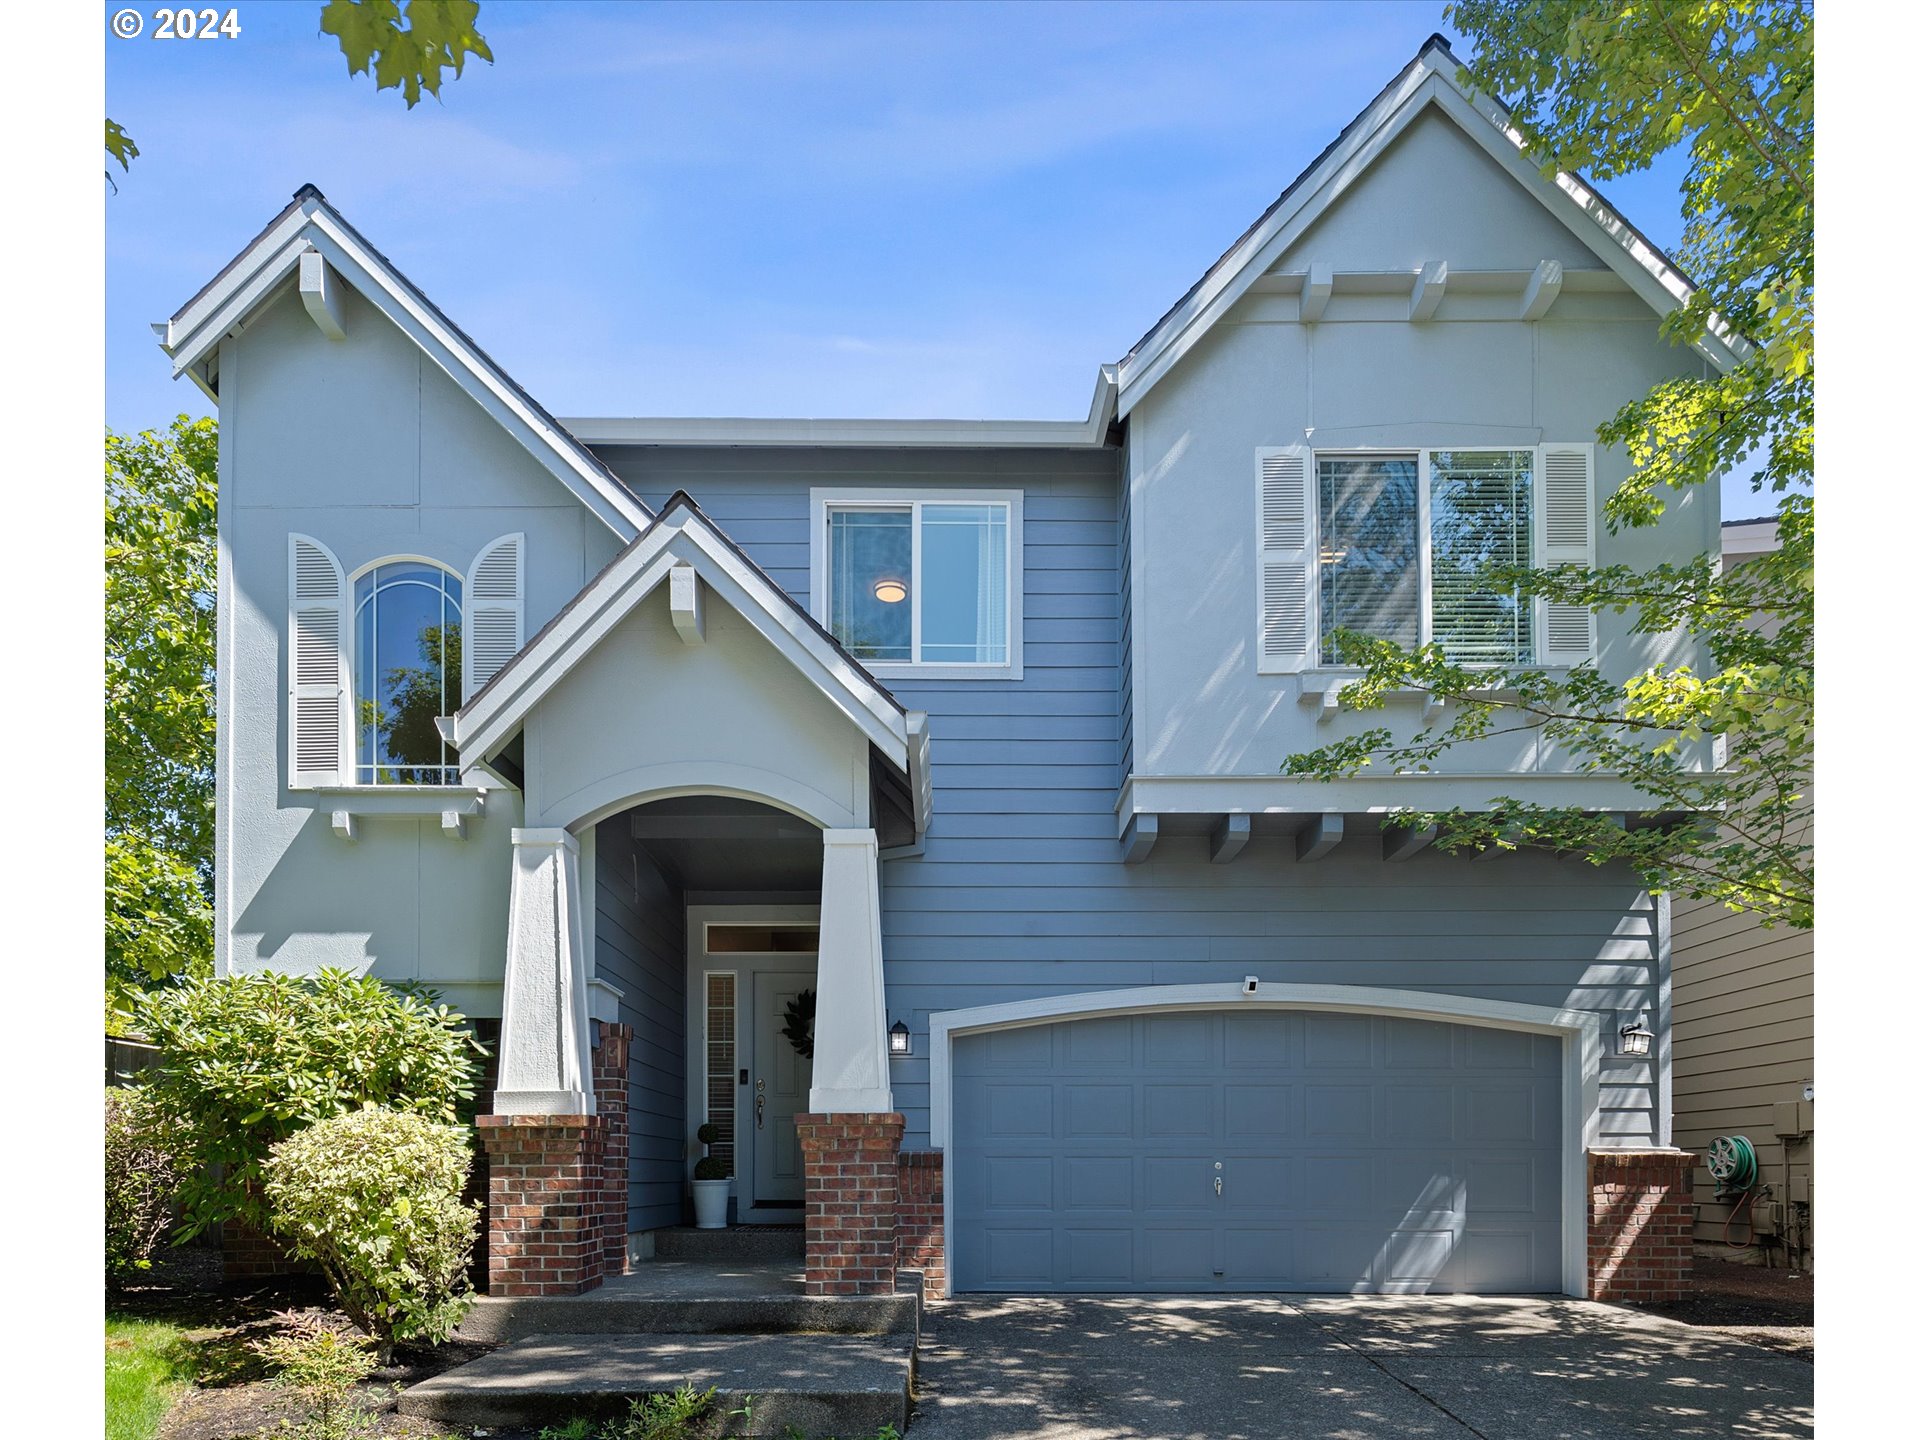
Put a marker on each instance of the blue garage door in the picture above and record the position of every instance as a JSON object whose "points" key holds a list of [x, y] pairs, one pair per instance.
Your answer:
{"points": [[1256, 1150]]}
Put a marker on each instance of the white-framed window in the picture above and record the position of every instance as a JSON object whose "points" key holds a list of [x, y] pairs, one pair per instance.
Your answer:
{"points": [[1402, 544], [406, 672], [923, 582], [376, 657]]}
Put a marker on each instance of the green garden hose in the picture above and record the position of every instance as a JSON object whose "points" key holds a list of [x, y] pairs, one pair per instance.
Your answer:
{"points": [[1731, 1162]]}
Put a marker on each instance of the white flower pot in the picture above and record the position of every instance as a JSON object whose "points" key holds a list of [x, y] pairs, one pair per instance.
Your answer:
{"points": [[710, 1203]]}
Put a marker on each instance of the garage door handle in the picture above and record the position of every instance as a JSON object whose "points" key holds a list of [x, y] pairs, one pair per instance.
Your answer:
{"points": [[1216, 1184]]}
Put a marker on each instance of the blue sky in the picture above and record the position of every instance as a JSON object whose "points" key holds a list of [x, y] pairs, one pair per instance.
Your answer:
{"points": [[877, 210]]}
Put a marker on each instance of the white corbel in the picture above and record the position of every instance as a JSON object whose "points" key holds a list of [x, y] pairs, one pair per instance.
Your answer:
{"points": [[1429, 288], [1319, 288], [343, 825], [320, 293], [689, 606], [1543, 288]]}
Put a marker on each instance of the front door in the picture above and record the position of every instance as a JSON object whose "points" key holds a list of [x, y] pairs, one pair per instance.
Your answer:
{"points": [[779, 1078]]}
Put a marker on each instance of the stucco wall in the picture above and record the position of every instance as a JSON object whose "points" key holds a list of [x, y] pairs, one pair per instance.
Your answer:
{"points": [[1365, 376], [366, 445]]}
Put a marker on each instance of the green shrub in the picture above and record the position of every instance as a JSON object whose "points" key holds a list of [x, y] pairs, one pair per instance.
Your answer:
{"points": [[141, 1183], [710, 1166], [373, 1197], [247, 1060], [322, 1364]]}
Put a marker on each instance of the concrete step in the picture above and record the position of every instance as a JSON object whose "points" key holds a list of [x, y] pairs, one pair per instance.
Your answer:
{"points": [[494, 1320], [740, 1242], [817, 1385]]}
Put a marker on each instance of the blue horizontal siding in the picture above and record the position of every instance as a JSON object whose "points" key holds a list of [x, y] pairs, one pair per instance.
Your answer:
{"points": [[1021, 892]]}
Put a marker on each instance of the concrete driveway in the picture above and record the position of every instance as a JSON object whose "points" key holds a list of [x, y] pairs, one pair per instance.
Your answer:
{"points": [[1256, 1368]]}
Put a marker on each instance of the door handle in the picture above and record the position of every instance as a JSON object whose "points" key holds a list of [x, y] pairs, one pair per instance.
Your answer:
{"points": [[1216, 1184], [1218, 1179], [760, 1105]]}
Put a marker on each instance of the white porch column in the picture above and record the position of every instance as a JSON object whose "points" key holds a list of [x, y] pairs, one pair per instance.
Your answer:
{"points": [[850, 1013], [546, 1064]]}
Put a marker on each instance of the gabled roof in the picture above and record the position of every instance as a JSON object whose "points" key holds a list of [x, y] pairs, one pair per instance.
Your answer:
{"points": [[1430, 79], [256, 275], [682, 535]]}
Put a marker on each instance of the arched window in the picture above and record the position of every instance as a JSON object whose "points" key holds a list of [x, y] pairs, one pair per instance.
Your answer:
{"points": [[406, 672]]}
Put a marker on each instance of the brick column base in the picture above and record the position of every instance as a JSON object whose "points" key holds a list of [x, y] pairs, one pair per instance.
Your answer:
{"points": [[545, 1200], [247, 1254], [853, 1195], [610, 1099], [921, 1218], [1639, 1225]]}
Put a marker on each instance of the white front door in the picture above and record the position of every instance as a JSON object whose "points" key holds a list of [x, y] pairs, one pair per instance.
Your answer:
{"points": [[780, 1077]]}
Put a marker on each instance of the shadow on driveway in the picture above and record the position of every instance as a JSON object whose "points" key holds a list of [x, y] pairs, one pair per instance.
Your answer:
{"points": [[1375, 1368]]}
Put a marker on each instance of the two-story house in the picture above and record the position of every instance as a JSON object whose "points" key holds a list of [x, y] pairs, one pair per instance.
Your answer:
{"points": [[906, 799]]}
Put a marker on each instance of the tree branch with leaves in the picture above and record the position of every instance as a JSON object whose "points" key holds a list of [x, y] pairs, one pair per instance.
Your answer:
{"points": [[1604, 87]]}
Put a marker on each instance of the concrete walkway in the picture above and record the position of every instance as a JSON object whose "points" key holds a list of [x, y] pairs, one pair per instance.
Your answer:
{"points": [[1259, 1368]]}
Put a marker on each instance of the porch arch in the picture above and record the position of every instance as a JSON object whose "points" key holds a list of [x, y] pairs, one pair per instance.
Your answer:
{"points": [[625, 789]]}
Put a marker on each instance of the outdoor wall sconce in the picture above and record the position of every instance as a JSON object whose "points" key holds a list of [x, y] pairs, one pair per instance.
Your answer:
{"points": [[899, 1039], [1635, 1039], [889, 590]]}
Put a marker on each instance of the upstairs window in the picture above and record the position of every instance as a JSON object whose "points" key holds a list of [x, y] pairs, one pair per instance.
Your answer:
{"points": [[920, 584], [407, 673], [376, 657], [1405, 546]]}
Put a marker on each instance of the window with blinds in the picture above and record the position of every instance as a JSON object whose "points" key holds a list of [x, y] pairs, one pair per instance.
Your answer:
{"points": [[721, 1052], [1411, 547], [1481, 521]]}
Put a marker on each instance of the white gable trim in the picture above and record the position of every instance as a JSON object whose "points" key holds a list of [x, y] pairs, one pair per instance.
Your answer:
{"points": [[1432, 80], [192, 339], [678, 537]]}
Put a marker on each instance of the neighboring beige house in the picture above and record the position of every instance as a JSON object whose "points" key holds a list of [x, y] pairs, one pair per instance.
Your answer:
{"points": [[1743, 1049]]}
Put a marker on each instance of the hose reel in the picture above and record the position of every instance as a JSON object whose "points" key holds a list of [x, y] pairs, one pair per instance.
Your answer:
{"points": [[1733, 1165]]}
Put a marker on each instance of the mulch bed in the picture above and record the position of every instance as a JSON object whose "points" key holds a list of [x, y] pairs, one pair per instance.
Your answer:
{"points": [[1770, 1307], [233, 1397]]}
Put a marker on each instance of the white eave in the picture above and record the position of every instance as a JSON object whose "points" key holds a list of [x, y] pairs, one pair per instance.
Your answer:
{"points": [[1432, 80], [309, 225], [1087, 434], [682, 536]]}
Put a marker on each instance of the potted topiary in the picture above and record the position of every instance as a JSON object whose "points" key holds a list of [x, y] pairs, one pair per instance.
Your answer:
{"points": [[712, 1181]]}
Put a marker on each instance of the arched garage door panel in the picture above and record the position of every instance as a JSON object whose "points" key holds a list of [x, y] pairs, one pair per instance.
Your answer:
{"points": [[1256, 1150]]}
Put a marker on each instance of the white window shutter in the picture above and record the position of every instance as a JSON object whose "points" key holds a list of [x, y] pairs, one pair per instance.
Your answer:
{"points": [[318, 717], [1285, 537], [1564, 481], [495, 602]]}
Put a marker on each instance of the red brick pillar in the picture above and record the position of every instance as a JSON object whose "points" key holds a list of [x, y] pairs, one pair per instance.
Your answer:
{"points": [[921, 1224], [853, 1195], [248, 1254], [610, 1099], [544, 1193], [1639, 1224]]}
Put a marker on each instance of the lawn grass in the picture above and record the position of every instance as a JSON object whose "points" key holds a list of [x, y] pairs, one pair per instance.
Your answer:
{"points": [[143, 1375]]}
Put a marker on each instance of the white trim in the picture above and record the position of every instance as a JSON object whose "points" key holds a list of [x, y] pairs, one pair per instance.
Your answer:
{"points": [[311, 224], [1430, 81], [1581, 1033], [743, 965], [677, 537], [1371, 793], [822, 499]]}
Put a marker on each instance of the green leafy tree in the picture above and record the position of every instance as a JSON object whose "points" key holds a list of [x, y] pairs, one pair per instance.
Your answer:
{"points": [[1604, 87], [405, 45], [160, 509]]}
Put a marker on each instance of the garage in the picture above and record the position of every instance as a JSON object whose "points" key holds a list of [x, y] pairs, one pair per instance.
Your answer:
{"points": [[1251, 1149]]}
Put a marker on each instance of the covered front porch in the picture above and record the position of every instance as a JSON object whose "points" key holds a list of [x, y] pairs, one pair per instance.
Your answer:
{"points": [[709, 783]]}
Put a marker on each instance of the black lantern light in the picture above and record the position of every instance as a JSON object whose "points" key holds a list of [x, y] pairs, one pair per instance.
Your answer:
{"points": [[899, 1039]]}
